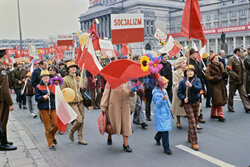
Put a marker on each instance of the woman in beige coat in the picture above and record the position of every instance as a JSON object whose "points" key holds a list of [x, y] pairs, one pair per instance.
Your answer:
{"points": [[178, 75], [115, 102]]}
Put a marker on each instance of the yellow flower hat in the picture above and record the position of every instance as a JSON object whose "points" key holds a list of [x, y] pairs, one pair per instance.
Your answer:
{"points": [[144, 63]]}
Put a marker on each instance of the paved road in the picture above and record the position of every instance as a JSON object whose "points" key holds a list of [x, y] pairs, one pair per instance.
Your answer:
{"points": [[223, 144]]}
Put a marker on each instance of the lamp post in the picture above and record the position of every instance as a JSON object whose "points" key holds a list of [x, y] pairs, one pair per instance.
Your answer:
{"points": [[19, 20]]}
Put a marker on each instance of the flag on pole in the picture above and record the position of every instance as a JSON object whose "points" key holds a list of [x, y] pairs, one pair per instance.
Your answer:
{"points": [[196, 49], [63, 110], [172, 47], [125, 50], [90, 60], [94, 36], [191, 22], [79, 54], [59, 51]]}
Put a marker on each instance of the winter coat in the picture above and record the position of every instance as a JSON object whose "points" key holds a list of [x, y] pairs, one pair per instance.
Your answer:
{"points": [[166, 71], [72, 82], [218, 91], [162, 114], [35, 78], [193, 92], [178, 75], [18, 75], [237, 73], [247, 66], [116, 103], [42, 90]]}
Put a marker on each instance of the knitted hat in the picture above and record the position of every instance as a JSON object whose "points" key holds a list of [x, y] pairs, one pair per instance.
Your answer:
{"points": [[205, 55]]}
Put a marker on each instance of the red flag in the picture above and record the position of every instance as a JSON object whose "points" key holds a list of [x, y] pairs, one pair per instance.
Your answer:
{"points": [[95, 37], [116, 54], [121, 71], [79, 54], [125, 49], [90, 60], [59, 51], [191, 22]]}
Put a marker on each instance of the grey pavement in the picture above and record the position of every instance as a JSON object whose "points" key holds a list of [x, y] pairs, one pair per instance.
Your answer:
{"points": [[228, 142], [27, 154]]}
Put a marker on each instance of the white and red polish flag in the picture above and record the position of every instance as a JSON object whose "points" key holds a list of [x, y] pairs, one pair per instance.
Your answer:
{"points": [[172, 47], [127, 28], [63, 110], [196, 49], [90, 60]]}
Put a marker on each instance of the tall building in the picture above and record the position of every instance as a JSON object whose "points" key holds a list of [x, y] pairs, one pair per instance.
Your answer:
{"points": [[230, 16]]}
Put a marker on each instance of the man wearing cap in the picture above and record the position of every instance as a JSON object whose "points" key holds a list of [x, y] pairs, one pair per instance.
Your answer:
{"points": [[18, 79], [6, 105], [76, 83], [236, 69], [198, 69], [247, 66]]}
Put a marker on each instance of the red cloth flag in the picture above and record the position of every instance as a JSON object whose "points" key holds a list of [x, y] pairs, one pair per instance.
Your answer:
{"points": [[79, 54], [121, 71], [191, 22], [116, 54], [95, 37], [59, 51], [125, 49], [90, 60]]}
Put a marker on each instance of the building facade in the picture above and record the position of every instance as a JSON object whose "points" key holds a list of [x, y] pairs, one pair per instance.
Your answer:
{"points": [[228, 16]]}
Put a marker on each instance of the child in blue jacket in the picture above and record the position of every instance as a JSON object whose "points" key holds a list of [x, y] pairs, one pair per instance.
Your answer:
{"points": [[162, 115]]}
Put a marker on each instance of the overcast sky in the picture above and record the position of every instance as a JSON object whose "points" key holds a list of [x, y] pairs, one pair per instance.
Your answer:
{"points": [[40, 18]]}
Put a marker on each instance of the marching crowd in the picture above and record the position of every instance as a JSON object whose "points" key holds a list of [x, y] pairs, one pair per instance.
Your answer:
{"points": [[184, 83]]}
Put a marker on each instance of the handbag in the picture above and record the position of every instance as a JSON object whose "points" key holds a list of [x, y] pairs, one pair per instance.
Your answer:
{"points": [[86, 98], [102, 124], [109, 128]]}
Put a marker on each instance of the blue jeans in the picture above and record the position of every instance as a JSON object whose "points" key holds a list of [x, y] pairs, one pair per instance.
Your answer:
{"points": [[165, 139], [21, 99]]}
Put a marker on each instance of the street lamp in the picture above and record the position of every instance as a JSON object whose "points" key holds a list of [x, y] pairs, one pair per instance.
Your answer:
{"points": [[19, 20]]}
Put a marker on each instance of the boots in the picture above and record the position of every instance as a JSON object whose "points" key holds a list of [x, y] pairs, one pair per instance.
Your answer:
{"points": [[82, 141], [4, 144], [195, 147], [10, 143]]}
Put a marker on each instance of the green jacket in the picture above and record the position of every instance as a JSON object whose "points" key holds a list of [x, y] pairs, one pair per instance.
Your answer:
{"points": [[72, 82], [237, 73], [18, 75], [4, 87]]}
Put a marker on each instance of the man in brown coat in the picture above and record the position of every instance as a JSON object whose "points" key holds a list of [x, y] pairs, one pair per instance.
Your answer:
{"points": [[236, 71], [6, 104], [18, 79]]}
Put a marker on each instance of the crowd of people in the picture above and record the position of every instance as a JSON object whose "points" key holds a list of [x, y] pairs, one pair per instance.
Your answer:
{"points": [[184, 83]]}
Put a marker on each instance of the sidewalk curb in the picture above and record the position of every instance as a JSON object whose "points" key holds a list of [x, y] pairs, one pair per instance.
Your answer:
{"points": [[31, 148]]}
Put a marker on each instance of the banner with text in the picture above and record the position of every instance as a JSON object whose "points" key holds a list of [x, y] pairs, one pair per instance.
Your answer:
{"points": [[127, 28]]}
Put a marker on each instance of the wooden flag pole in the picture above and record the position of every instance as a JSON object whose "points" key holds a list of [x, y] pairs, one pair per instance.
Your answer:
{"points": [[188, 64]]}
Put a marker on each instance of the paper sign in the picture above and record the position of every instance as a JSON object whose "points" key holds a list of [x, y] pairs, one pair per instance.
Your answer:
{"points": [[160, 35]]}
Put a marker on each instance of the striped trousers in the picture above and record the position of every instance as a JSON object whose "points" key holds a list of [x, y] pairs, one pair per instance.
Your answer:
{"points": [[192, 111]]}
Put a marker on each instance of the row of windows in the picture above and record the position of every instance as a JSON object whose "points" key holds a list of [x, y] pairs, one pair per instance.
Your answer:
{"points": [[225, 24], [233, 14]]}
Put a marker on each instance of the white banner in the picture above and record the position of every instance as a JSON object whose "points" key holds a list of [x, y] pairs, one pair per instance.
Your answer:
{"points": [[127, 21]]}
